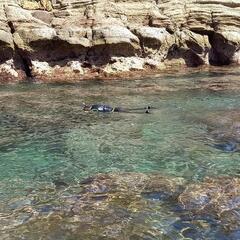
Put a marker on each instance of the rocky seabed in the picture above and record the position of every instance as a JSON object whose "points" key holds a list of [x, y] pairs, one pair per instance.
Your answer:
{"points": [[126, 206]]}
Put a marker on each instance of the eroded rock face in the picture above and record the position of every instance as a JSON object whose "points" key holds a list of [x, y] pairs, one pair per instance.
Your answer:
{"points": [[92, 33]]}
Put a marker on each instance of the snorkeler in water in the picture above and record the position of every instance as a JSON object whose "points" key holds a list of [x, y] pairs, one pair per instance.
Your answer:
{"points": [[106, 108]]}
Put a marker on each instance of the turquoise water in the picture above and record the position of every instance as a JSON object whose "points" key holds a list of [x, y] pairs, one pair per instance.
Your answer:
{"points": [[46, 138]]}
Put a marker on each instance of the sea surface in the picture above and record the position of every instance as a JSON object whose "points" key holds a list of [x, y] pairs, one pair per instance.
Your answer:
{"points": [[48, 142]]}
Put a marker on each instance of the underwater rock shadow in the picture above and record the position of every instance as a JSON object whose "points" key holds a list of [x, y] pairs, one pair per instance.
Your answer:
{"points": [[146, 206]]}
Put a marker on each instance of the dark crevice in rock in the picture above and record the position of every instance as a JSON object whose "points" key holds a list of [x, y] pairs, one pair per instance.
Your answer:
{"points": [[222, 51], [26, 66], [143, 53], [101, 55], [202, 32], [6, 52], [194, 46], [190, 57], [170, 30], [10, 24], [25, 62]]}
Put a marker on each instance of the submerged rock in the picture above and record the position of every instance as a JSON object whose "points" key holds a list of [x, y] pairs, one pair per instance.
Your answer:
{"points": [[227, 146], [128, 206], [111, 206], [214, 198], [128, 189], [222, 130]]}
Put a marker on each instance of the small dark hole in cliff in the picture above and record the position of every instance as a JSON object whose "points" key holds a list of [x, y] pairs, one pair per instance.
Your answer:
{"points": [[194, 47], [202, 32]]}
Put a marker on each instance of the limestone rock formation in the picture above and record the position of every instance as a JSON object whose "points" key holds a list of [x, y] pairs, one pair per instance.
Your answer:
{"points": [[40, 39]]}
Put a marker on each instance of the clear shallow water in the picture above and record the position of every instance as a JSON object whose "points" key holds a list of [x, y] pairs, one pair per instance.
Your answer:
{"points": [[46, 138]]}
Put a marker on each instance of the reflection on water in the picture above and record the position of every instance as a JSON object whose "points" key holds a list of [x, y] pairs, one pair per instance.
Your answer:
{"points": [[48, 144]]}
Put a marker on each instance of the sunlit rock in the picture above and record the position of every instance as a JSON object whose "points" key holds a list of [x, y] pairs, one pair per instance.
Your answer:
{"points": [[124, 64], [174, 33], [215, 197]]}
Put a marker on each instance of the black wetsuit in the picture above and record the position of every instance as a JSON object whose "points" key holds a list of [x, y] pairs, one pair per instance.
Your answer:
{"points": [[101, 108], [107, 108]]}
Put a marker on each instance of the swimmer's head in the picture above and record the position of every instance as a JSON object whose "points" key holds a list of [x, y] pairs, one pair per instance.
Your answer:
{"points": [[87, 107]]}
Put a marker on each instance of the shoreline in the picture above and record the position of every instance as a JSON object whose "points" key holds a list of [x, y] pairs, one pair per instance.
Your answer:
{"points": [[130, 75]]}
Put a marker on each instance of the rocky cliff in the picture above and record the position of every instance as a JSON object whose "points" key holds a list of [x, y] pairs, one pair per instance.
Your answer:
{"points": [[67, 40]]}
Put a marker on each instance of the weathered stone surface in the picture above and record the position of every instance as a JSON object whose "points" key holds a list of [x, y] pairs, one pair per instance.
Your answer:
{"points": [[153, 37], [10, 73], [193, 48], [121, 64], [192, 32], [40, 4]]}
